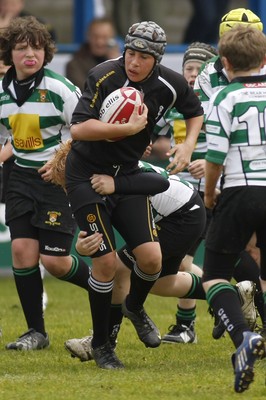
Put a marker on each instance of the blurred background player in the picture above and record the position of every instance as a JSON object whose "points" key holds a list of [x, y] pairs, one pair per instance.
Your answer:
{"points": [[100, 45], [10, 9]]}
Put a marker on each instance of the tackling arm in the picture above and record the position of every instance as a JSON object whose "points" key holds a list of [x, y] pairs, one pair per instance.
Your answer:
{"points": [[146, 183]]}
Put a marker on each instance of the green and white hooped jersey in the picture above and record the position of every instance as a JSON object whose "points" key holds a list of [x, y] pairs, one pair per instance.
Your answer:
{"points": [[175, 197], [236, 132], [41, 122], [211, 78]]}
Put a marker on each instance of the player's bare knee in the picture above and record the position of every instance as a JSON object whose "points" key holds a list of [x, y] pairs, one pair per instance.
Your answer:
{"points": [[24, 256], [104, 268], [57, 266], [151, 264]]}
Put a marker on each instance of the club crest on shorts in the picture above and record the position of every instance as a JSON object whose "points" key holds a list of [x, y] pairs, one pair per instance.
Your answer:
{"points": [[53, 218]]}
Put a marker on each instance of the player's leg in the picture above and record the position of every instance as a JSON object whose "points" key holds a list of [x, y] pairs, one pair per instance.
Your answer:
{"points": [[225, 302], [44, 295], [184, 236], [82, 347], [64, 266], [138, 229], [100, 283], [241, 219], [247, 268], [181, 284], [183, 331], [263, 286], [25, 257], [253, 250]]}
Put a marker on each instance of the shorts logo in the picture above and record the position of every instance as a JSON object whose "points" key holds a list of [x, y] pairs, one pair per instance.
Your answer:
{"points": [[53, 217], [91, 218], [55, 249], [131, 258]]}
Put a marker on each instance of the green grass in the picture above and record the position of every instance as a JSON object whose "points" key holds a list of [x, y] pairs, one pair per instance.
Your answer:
{"points": [[172, 372]]}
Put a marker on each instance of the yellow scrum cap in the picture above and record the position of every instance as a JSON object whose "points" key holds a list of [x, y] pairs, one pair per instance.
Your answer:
{"points": [[240, 16]]}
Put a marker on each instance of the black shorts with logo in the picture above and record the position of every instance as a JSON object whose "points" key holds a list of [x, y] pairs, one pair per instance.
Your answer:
{"points": [[47, 203], [177, 233], [130, 214]]}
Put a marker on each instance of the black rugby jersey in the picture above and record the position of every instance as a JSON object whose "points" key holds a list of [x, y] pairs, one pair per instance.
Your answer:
{"points": [[163, 90]]}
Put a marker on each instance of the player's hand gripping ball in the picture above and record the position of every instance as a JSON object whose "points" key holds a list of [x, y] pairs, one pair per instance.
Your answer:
{"points": [[119, 105]]}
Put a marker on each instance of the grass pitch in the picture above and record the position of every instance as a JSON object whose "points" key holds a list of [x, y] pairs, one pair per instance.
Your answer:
{"points": [[200, 371]]}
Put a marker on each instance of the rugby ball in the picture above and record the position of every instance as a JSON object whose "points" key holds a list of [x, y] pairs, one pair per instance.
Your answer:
{"points": [[118, 106]]}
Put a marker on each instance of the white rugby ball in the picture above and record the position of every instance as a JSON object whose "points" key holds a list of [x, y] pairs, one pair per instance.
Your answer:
{"points": [[118, 106]]}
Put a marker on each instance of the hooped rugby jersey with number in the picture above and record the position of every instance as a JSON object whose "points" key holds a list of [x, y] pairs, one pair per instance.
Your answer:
{"points": [[39, 124], [236, 131]]}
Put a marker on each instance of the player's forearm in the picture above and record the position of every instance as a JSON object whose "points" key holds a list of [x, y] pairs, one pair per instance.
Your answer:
{"points": [[93, 130], [6, 152], [212, 174], [193, 127]]}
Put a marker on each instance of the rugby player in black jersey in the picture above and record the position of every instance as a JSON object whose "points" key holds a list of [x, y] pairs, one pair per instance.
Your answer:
{"points": [[91, 153]]}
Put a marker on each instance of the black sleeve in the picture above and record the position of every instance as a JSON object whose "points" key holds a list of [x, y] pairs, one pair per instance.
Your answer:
{"points": [[148, 183]]}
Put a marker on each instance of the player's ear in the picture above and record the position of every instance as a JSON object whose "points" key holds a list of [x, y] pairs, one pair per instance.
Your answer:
{"points": [[263, 62], [226, 63]]}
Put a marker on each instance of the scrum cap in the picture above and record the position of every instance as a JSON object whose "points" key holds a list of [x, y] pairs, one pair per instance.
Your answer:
{"points": [[146, 37], [198, 51], [240, 16]]}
